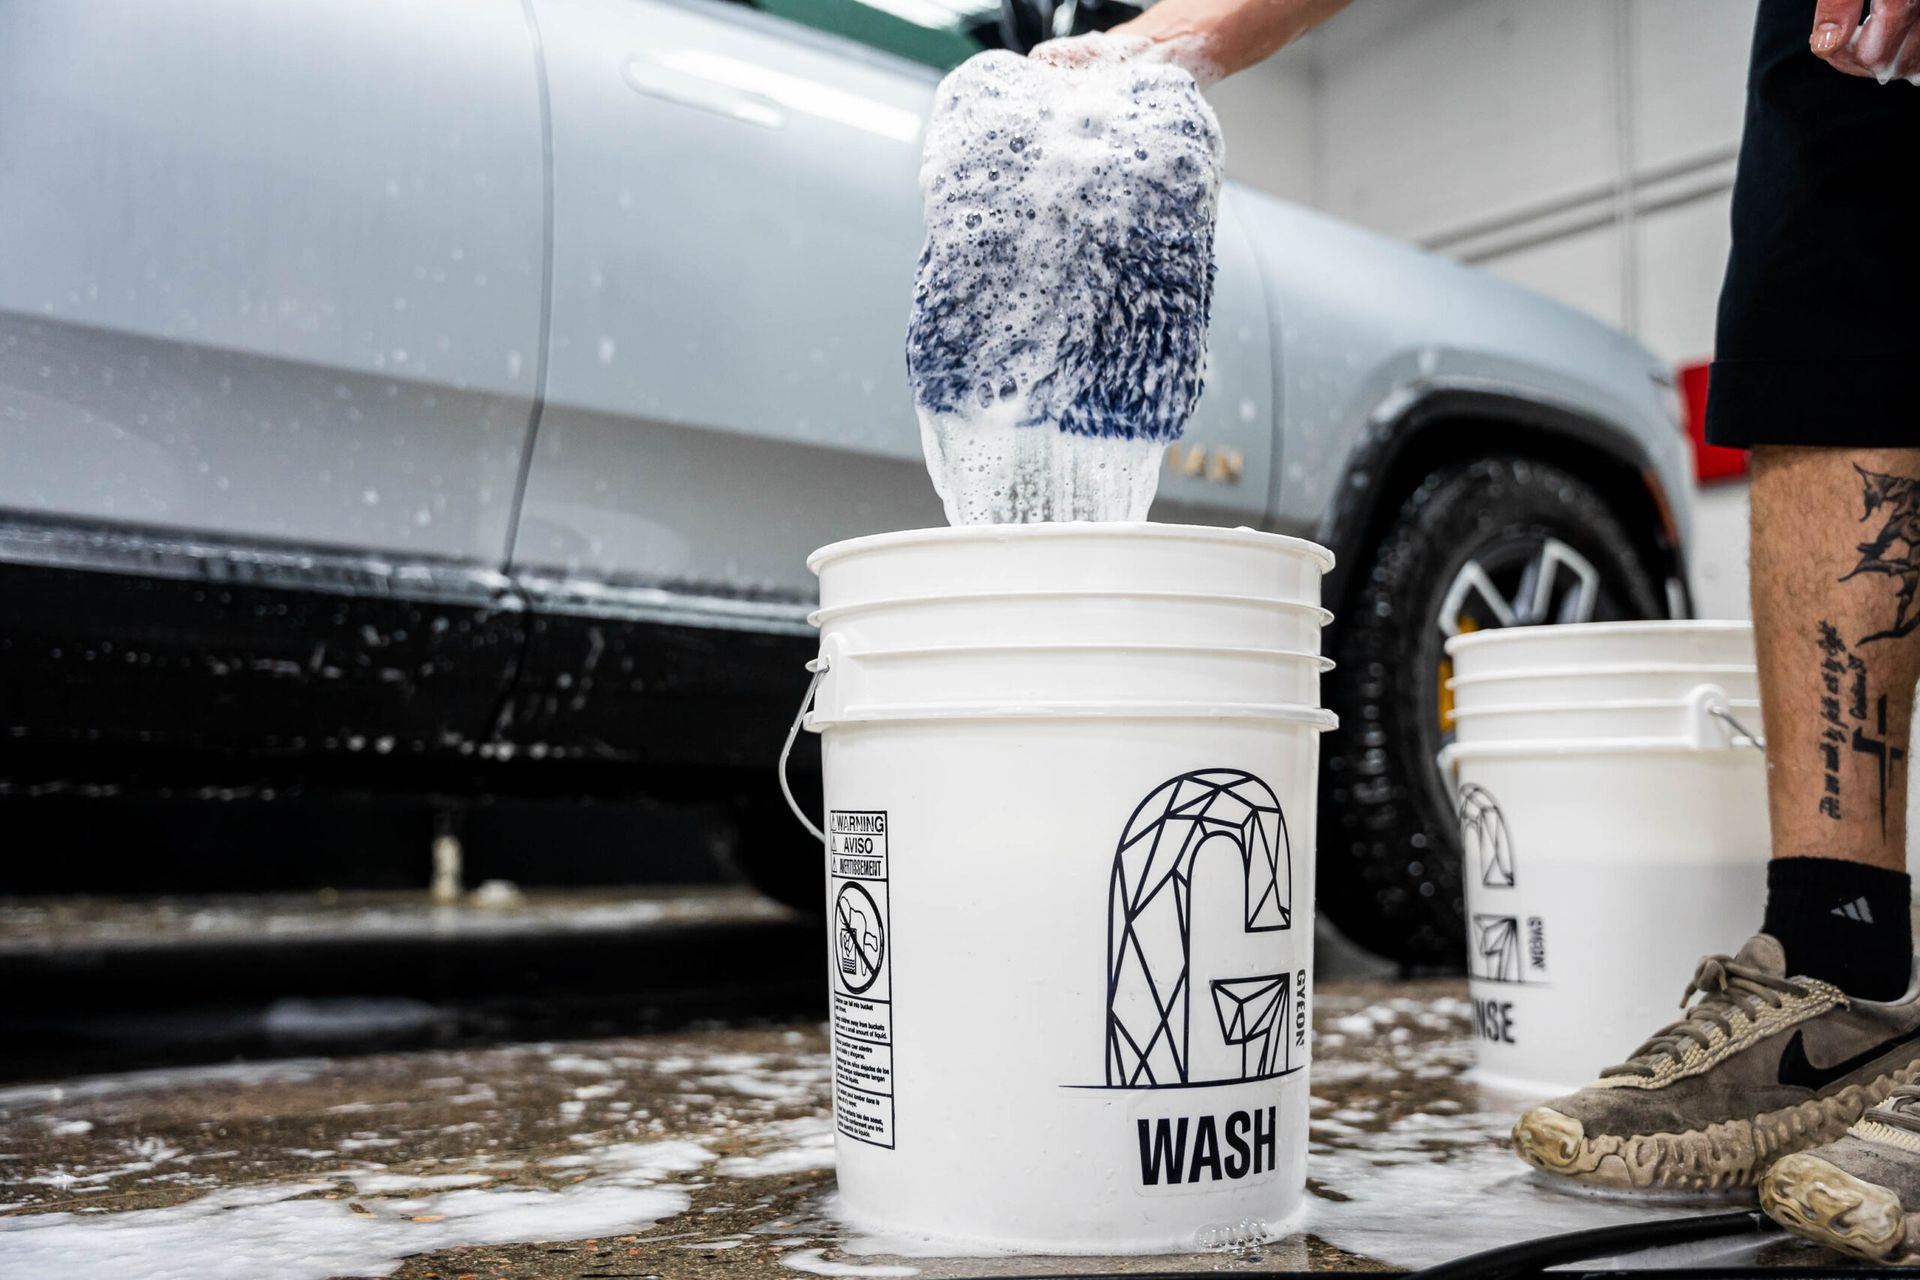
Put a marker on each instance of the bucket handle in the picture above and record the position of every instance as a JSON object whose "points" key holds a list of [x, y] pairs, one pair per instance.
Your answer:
{"points": [[1743, 736], [1706, 699], [819, 666], [1710, 700]]}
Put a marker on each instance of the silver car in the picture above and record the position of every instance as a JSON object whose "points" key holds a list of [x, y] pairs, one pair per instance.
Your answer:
{"points": [[442, 395]]}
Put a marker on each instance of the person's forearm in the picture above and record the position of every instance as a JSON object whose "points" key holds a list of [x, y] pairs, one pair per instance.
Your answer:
{"points": [[1231, 35]]}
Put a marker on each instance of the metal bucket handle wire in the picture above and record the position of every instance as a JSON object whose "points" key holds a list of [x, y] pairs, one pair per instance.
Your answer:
{"points": [[819, 666]]}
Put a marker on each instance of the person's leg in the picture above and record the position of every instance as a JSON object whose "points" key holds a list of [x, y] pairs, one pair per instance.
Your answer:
{"points": [[1804, 1028], [1793, 1037], [1837, 627]]}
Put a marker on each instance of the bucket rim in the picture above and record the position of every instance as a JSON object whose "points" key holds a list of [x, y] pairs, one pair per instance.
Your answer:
{"points": [[1554, 633], [1324, 663], [1067, 530], [1317, 718], [1529, 748], [1612, 669], [828, 613], [1617, 704]]}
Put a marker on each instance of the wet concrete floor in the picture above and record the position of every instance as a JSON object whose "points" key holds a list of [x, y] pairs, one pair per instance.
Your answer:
{"points": [[704, 1150]]}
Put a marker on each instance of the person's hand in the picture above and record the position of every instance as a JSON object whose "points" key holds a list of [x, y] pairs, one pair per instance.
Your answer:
{"points": [[1885, 46], [1106, 48], [1095, 49], [1209, 38]]}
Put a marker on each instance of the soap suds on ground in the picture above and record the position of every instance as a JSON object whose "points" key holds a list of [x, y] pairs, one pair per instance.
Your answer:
{"points": [[709, 1157]]}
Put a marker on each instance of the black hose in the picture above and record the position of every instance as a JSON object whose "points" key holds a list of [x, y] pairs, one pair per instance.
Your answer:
{"points": [[1530, 1257]]}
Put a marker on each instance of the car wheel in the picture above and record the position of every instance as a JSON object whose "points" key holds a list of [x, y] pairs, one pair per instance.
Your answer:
{"points": [[775, 853], [1498, 542]]}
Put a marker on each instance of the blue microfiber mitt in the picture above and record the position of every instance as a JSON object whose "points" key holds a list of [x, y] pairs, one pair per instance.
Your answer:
{"points": [[1060, 310]]}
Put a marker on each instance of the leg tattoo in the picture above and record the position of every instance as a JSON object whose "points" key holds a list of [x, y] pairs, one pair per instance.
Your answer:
{"points": [[1893, 550], [1888, 757], [1893, 553]]}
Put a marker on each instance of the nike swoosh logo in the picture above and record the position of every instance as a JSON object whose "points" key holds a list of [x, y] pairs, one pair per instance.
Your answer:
{"points": [[1796, 1070]]}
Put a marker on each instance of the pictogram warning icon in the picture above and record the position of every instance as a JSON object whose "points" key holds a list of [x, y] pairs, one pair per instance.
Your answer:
{"points": [[860, 938]]}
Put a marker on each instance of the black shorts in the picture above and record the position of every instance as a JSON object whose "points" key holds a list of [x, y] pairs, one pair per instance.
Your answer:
{"points": [[1819, 330]]}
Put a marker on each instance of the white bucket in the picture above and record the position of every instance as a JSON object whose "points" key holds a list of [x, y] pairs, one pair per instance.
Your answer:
{"points": [[1072, 616], [1007, 784], [1603, 644], [1660, 718], [1611, 684], [885, 680], [1609, 839]]}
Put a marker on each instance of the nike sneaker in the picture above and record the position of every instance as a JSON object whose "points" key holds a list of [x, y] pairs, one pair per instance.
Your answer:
{"points": [[1857, 1195], [1762, 1065]]}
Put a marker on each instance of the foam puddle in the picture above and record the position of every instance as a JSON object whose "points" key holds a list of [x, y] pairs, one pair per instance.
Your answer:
{"points": [[1441, 1182], [376, 1217], [1408, 1165], [277, 1229], [803, 1144], [1441, 1187]]}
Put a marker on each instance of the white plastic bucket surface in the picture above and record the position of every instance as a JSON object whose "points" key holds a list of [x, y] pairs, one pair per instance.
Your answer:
{"points": [[1513, 650], [878, 681], [1635, 718], [1071, 896], [1078, 616], [1079, 557], [1610, 838], [1615, 684]]}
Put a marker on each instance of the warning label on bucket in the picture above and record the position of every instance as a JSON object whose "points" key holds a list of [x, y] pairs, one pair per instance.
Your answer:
{"points": [[861, 952]]}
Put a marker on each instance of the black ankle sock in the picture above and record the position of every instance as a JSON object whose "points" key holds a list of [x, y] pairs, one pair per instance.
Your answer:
{"points": [[1842, 922]]}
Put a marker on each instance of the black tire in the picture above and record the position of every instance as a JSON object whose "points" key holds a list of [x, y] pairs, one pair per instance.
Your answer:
{"points": [[1389, 855], [772, 850]]}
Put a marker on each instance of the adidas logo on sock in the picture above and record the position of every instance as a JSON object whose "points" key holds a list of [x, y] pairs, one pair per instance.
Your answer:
{"points": [[1855, 910]]}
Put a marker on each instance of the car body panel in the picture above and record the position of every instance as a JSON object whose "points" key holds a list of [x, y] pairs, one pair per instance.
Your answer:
{"points": [[1235, 426], [310, 301], [273, 271], [1369, 327]]}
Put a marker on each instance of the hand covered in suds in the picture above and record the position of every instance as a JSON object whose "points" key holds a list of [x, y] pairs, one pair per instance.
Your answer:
{"points": [[1884, 46], [1104, 48]]}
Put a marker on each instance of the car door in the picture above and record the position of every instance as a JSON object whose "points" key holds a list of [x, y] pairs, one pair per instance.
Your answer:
{"points": [[736, 223], [270, 318], [272, 271]]}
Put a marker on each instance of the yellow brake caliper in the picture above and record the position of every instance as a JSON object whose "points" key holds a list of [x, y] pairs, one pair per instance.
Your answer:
{"points": [[1465, 625]]}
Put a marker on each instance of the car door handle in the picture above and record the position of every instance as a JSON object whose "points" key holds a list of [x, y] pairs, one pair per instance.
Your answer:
{"points": [[753, 92], [662, 79]]}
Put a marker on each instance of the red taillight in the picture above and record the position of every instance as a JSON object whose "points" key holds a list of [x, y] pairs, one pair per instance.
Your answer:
{"points": [[1710, 461]]}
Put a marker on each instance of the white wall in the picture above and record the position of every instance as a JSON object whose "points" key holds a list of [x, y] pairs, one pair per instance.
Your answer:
{"points": [[1266, 117], [1583, 148]]}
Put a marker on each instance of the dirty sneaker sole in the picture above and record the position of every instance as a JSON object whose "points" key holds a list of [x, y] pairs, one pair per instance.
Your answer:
{"points": [[1725, 1156], [1824, 1203]]}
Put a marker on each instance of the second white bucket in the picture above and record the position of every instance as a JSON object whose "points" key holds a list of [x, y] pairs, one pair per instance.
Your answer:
{"points": [[1610, 838], [1070, 866]]}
